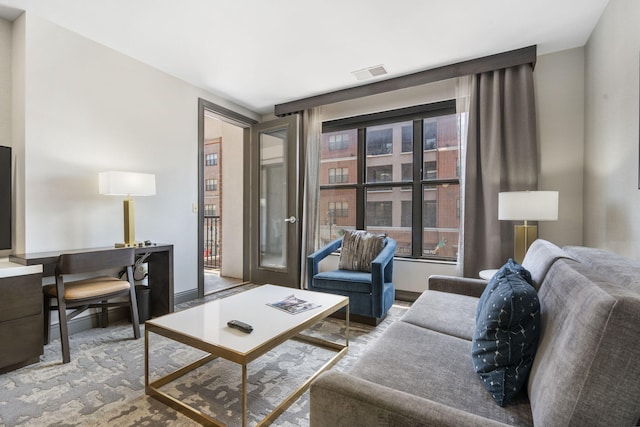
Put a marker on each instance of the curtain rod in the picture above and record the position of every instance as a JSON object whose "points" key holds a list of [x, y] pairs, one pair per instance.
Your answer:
{"points": [[526, 55]]}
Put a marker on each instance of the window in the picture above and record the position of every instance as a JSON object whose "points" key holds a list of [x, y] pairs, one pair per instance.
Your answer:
{"points": [[421, 214], [407, 172], [338, 175], [430, 170], [380, 173], [379, 142], [379, 214], [407, 139], [210, 210], [211, 185], [211, 159], [338, 209], [429, 214], [430, 134], [339, 142], [406, 214]]}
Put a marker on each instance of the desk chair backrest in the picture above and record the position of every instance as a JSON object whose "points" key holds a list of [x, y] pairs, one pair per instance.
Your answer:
{"points": [[87, 262]]}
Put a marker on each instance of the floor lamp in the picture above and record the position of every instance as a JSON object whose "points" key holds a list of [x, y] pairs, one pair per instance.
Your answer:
{"points": [[527, 206], [127, 184]]}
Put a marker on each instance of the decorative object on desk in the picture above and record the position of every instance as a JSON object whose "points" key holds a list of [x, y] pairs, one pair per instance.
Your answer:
{"points": [[527, 206], [128, 184], [293, 305]]}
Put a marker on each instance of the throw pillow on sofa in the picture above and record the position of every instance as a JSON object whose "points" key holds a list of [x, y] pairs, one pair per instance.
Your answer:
{"points": [[359, 248], [507, 331]]}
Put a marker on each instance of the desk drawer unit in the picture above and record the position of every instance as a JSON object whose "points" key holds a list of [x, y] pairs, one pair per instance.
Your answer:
{"points": [[21, 320]]}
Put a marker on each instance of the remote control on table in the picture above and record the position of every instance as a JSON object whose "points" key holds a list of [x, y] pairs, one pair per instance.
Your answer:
{"points": [[241, 326]]}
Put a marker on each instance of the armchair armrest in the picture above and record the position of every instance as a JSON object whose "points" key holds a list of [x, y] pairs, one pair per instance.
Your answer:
{"points": [[457, 285], [381, 261], [314, 259], [339, 399], [382, 275]]}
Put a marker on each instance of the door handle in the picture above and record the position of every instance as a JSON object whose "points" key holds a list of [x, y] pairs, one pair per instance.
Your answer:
{"points": [[292, 219]]}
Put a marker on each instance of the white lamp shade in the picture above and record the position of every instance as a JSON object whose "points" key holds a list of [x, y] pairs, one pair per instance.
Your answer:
{"points": [[126, 183], [528, 206]]}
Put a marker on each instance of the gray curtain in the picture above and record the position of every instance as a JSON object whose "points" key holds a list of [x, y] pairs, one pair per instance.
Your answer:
{"points": [[502, 155], [312, 126]]}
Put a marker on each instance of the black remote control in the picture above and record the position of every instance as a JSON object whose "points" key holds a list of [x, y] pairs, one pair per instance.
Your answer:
{"points": [[241, 326]]}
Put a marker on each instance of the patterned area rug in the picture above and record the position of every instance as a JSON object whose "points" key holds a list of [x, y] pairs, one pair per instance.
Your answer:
{"points": [[104, 383]]}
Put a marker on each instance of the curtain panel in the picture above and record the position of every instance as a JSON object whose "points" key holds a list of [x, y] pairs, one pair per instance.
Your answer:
{"points": [[312, 128], [501, 155]]}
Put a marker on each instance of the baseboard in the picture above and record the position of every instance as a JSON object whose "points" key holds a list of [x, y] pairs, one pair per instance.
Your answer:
{"points": [[185, 296], [407, 296]]}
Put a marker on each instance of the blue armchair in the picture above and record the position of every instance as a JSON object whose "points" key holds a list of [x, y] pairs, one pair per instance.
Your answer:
{"points": [[370, 294]]}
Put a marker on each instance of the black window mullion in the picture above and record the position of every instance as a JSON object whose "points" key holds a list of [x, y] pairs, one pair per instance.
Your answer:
{"points": [[360, 194], [416, 199]]}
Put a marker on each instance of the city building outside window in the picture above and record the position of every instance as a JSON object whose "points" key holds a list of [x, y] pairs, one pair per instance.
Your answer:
{"points": [[408, 189]]}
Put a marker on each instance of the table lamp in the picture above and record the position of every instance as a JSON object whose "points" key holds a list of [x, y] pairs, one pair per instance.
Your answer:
{"points": [[527, 206], [127, 184]]}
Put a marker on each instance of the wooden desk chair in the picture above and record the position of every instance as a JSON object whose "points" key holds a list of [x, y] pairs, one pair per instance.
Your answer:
{"points": [[93, 292]]}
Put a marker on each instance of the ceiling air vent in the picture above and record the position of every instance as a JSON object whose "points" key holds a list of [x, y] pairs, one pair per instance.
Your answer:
{"points": [[370, 72]]}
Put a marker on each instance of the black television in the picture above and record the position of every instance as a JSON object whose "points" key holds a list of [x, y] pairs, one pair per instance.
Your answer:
{"points": [[5, 197]]}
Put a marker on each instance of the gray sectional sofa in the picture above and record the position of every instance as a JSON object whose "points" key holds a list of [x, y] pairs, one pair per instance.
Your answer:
{"points": [[586, 371]]}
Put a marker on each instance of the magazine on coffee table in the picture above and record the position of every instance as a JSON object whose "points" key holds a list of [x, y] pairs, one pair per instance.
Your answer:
{"points": [[293, 305]]}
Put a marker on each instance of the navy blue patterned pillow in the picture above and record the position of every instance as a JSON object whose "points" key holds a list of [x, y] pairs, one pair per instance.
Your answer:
{"points": [[507, 331]]}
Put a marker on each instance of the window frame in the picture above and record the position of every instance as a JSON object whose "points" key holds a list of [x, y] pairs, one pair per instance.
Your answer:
{"points": [[417, 115]]}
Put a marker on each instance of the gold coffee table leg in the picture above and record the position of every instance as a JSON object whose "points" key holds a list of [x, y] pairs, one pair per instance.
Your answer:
{"points": [[244, 395]]}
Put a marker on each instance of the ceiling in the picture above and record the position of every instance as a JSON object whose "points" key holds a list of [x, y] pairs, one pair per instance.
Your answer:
{"points": [[258, 53]]}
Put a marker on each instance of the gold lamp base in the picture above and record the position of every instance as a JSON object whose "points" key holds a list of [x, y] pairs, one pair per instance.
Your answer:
{"points": [[524, 236], [129, 225]]}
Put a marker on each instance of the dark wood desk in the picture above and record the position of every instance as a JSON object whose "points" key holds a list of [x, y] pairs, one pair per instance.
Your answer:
{"points": [[160, 262]]}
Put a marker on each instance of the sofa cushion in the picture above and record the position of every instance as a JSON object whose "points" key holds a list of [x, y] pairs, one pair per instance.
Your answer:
{"points": [[507, 330], [450, 314], [434, 366], [359, 248]]}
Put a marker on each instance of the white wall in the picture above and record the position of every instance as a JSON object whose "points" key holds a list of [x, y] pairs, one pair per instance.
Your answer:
{"points": [[232, 200], [88, 109], [5, 82], [559, 86], [612, 198], [5, 91]]}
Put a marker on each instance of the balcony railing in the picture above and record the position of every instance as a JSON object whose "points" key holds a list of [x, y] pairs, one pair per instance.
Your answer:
{"points": [[212, 249]]}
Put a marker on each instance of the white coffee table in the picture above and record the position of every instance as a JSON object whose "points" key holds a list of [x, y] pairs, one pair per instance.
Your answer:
{"points": [[205, 327]]}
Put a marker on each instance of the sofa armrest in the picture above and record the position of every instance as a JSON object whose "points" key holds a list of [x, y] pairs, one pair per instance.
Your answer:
{"points": [[457, 285], [338, 399]]}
